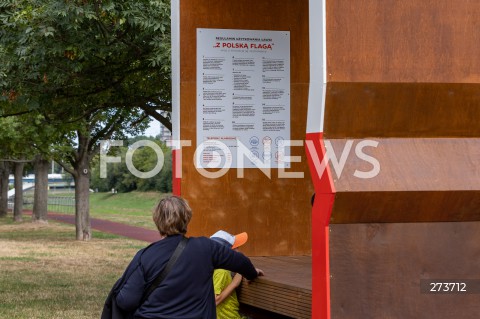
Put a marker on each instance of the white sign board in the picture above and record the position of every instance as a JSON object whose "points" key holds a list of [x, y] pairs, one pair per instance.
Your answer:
{"points": [[243, 98]]}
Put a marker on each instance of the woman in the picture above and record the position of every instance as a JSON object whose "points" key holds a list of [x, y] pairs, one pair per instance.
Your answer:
{"points": [[187, 292]]}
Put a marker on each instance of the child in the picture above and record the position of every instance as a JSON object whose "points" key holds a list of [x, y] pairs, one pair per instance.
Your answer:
{"points": [[223, 284]]}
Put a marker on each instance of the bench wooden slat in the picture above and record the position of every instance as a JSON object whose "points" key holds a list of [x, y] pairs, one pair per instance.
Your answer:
{"points": [[285, 289]]}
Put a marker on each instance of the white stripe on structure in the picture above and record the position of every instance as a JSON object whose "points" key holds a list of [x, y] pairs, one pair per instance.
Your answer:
{"points": [[318, 66], [175, 29]]}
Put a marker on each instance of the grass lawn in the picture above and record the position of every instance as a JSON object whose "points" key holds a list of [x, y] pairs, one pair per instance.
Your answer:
{"points": [[133, 208], [45, 273]]}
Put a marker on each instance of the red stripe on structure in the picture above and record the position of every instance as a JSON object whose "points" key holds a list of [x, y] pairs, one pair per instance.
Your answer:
{"points": [[321, 212], [176, 176]]}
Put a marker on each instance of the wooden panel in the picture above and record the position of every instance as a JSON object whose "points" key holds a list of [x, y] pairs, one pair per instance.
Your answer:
{"points": [[287, 272], [274, 211], [402, 110], [286, 288], [403, 41], [376, 269]]}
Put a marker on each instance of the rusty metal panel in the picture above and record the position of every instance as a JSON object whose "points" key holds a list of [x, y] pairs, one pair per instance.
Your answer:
{"points": [[418, 180], [376, 269], [274, 211], [404, 207], [291, 15], [406, 164], [406, 74], [402, 110], [403, 41]]}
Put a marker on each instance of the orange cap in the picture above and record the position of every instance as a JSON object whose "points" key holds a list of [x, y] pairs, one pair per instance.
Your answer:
{"points": [[232, 241], [240, 239]]}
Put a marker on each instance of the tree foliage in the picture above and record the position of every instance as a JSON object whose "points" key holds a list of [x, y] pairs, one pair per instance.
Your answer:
{"points": [[145, 159], [71, 59], [88, 71]]}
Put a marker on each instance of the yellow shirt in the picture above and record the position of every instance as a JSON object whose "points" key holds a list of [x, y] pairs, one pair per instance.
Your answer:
{"points": [[229, 308]]}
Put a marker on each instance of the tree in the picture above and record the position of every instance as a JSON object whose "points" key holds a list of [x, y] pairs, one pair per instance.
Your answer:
{"points": [[113, 53], [144, 159], [92, 69], [23, 144], [4, 172], [16, 140], [18, 185], [40, 200], [76, 154], [43, 140], [5, 151]]}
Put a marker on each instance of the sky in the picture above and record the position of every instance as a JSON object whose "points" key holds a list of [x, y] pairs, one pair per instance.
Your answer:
{"points": [[154, 129]]}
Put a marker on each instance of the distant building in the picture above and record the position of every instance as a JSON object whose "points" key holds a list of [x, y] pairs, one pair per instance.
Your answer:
{"points": [[165, 134], [55, 181]]}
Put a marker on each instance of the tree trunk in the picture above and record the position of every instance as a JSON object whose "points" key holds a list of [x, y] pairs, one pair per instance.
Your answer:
{"points": [[82, 199], [4, 171], [18, 204], [40, 200]]}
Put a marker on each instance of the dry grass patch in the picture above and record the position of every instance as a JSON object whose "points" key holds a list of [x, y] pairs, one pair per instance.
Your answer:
{"points": [[45, 273]]}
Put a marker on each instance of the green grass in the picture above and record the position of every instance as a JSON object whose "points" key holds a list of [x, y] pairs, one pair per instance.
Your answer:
{"points": [[133, 208], [46, 274], [132, 203]]}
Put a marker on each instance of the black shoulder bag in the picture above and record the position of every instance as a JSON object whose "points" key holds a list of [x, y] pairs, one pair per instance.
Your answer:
{"points": [[111, 309], [173, 259]]}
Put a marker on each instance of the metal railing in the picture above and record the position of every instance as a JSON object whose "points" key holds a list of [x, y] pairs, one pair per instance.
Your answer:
{"points": [[57, 204], [61, 204]]}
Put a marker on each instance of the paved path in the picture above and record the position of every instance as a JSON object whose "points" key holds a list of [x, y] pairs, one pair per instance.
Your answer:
{"points": [[133, 232]]}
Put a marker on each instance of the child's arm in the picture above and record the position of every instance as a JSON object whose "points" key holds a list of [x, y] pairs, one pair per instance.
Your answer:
{"points": [[236, 280]]}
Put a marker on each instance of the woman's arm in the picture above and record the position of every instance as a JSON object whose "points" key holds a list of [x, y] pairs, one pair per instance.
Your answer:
{"points": [[130, 292], [226, 258]]}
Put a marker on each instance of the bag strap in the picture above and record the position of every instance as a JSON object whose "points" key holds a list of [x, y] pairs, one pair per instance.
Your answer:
{"points": [[173, 259]]}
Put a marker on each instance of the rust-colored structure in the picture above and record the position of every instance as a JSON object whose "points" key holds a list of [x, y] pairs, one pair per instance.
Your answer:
{"points": [[405, 74], [393, 85], [260, 205]]}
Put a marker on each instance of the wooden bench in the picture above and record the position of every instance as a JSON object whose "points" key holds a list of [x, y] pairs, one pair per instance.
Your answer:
{"points": [[285, 289]]}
